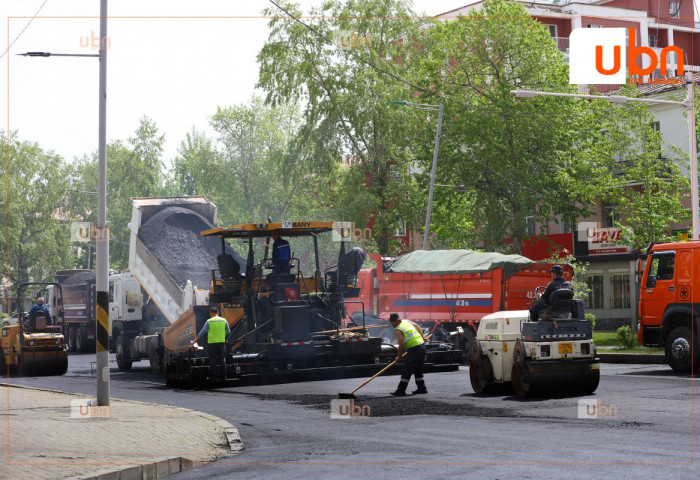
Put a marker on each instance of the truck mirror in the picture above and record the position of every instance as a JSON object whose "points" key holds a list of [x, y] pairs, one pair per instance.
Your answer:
{"points": [[638, 272]]}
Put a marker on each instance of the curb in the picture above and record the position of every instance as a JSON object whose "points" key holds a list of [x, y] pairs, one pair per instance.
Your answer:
{"points": [[158, 467], [632, 358]]}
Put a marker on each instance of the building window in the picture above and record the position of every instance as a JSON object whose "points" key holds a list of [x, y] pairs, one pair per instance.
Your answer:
{"points": [[620, 286], [565, 225], [591, 25], [530, 226], [596, 294], [673, 8], [656, 126], [401, 229], [608, 216], [652, 41], [552, 30]]}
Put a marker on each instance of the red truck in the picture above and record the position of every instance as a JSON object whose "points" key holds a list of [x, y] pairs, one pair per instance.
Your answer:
{"points": [[448, 291], [669, 305]]}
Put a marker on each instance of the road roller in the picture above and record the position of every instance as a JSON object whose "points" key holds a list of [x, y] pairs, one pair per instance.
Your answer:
{"points": [[35, 344], [552, 357]]}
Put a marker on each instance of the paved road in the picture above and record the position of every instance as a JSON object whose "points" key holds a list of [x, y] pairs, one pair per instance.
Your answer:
{"points": [[289, 434]]}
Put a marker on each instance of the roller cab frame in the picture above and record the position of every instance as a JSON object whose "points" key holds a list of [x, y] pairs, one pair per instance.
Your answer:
{"points": [[31, 347]]}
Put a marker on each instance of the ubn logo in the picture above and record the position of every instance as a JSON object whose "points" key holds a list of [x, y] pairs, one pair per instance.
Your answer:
{"points": [[95, 42], [346, 408], [84, 408], [86, 231], [348, 231], [595, 409], [595, 56]]}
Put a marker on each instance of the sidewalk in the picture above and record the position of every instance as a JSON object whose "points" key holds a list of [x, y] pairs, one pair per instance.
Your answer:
{"points": [[41, 440]]}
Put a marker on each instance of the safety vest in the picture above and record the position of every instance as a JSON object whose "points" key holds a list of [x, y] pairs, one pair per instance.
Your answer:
{"points": [[411, 336], [217, 330]]}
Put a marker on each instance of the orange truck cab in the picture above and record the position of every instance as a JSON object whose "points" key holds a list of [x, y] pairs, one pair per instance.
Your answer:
{"points": [[669, 302]]}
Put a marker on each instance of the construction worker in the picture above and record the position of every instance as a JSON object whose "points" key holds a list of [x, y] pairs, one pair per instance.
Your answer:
{"points": [[412, 341], [281, 254], [558, 282], [40, 308], [216, 329]]}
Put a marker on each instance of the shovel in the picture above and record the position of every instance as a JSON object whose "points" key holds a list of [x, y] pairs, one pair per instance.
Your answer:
{"points": [[352, 394]]}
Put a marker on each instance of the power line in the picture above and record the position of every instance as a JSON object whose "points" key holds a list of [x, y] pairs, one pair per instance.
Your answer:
{"points": [[25, 27]]}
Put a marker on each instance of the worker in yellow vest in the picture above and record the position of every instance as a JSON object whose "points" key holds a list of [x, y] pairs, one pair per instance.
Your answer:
{"points": [[216, 329], [412, 341]]}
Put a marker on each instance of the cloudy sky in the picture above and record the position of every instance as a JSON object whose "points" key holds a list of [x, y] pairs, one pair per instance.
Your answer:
{"points": [[174, 70]]}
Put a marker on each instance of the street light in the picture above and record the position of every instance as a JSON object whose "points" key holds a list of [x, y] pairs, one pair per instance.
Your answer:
{"points": [[688, 104], [439, 108], [102, 243]]}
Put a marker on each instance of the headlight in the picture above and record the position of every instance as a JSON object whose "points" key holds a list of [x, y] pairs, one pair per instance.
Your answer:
{"points": [[544, 350], [585, 349]]}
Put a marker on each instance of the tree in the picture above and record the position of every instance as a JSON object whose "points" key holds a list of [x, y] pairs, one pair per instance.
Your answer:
{"points": [[36, 232], [651, 199], [347, 87], [538, 156]]}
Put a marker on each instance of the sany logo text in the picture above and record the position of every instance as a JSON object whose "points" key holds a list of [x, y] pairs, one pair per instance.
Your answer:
{"points": [[595, 56]]}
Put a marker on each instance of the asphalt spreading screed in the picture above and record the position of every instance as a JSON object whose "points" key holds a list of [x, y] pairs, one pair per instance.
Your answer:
{"points": [[173, 238]]}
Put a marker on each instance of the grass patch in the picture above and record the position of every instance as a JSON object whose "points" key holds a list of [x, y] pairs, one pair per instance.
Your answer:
{"points": [[606, 339], [644, 350]]}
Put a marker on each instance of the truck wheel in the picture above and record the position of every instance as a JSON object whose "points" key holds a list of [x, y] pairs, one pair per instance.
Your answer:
{"points": [[80, 340], [481, 375], [121, 352], [71, 339], [466, 344], [679, 349]]}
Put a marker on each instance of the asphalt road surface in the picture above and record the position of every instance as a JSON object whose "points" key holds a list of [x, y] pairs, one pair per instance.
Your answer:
{"points": [[645, 427]]}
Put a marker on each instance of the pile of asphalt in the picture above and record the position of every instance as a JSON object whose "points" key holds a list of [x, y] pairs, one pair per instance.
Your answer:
{"points": [[394, 406], [79, 278], [173, 238]]}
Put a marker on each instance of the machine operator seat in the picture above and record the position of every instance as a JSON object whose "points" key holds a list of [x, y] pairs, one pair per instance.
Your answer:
{"points": [[37, 322], [230, 272], [560, 304]]}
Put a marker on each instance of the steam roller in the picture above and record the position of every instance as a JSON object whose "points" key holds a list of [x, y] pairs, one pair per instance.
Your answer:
{"points": [[35, 345], [552, 357]]}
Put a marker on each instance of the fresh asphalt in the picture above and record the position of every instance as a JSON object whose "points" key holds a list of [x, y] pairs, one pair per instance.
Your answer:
{"points": [[450, 433]]}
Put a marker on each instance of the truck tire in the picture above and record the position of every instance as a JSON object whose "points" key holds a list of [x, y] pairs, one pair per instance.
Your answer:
{"points": [[123, 362], [466, 344], [70, 340], [679, 354], [80, 340]]}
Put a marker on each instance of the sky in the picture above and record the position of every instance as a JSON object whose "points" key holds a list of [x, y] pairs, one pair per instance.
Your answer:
{"points": [[176, 71]]}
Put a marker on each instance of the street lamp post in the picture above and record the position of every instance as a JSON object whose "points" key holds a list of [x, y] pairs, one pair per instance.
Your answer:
{"points": [[688, 104], [102, 234], [439, 108]]}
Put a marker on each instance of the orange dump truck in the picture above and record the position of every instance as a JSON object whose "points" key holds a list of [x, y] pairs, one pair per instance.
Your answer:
{"points": [[448, 291]]}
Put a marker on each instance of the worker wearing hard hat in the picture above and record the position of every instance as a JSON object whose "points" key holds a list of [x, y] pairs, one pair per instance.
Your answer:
{"points": [[558, 282], [412, 342]]}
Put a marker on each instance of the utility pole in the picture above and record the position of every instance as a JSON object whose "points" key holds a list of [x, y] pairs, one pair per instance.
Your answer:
{"points": [[102, 240]]}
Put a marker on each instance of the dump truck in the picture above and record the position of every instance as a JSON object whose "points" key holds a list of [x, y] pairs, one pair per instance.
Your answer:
{"points": [[447, 292], [669, 305], [79, 304], [553, 356], [35, 344]]}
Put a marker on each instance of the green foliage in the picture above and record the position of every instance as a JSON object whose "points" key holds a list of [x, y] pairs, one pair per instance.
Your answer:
{"points": [[578, 282], [626, 336], [517, 157], [36, 231], [590, 318], [348, 115], [654, 187]]}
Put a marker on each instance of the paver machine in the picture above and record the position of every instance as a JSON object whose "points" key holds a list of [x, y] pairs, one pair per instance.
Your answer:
{"points": [[35, 345], [554, 356]]}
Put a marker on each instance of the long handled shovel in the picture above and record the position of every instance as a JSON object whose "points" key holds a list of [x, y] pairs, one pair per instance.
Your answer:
{"points": [[352, 394]]}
